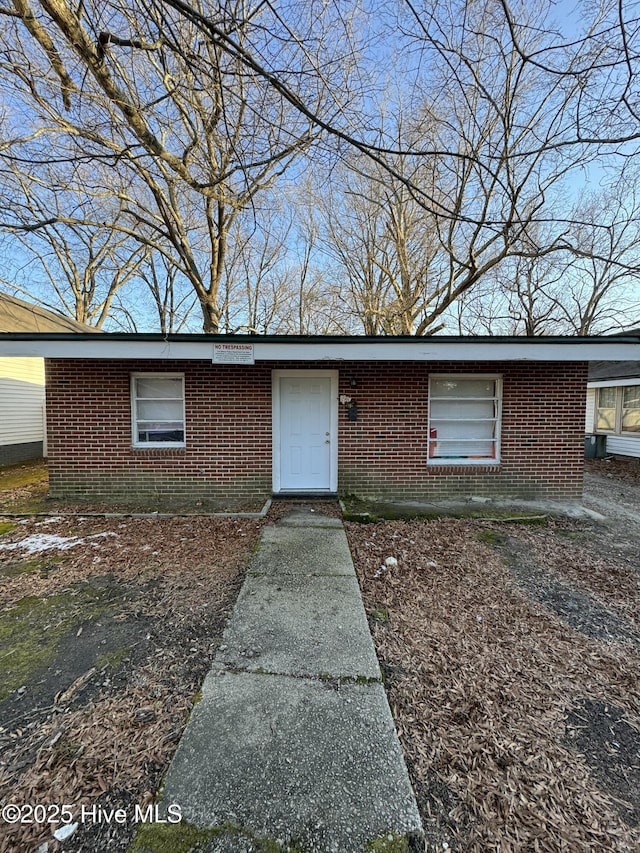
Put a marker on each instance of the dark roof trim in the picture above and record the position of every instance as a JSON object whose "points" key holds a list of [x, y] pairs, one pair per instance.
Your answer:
{"points": [[384, 340]]}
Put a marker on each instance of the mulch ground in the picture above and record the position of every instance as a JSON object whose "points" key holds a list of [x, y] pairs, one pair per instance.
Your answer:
{"points": [[520, 723], [623, 468], [100, 723], [510, 654]]}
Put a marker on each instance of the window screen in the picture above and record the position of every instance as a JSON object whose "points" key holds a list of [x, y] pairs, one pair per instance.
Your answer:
{"points": [[464, 418], [158, 410]]}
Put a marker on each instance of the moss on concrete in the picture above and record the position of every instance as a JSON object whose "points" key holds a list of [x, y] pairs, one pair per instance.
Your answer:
{"points": [[169, 838], [183, 837], [391, 843]]}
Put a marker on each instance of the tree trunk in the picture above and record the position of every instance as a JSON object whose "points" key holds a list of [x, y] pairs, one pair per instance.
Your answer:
{"points": [[211, 317]]}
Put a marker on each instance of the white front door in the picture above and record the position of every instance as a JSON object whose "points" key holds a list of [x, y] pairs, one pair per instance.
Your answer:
{"points": [[305, 420]]}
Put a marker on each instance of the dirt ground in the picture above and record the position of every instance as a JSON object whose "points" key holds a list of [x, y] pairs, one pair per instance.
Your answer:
{"points": [[107, 628], [510, 654]]}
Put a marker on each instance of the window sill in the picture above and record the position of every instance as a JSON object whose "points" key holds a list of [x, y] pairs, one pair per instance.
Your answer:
{"points": [[488, 467], [462, 462], [150, 448]]}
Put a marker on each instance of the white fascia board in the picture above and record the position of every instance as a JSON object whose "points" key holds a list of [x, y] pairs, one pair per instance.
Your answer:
{"points": [[614, 383], [101, 348], [426, 349], [420, 349]]}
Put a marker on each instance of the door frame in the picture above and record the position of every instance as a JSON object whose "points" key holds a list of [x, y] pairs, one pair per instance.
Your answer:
{"points": [[276, 376]]}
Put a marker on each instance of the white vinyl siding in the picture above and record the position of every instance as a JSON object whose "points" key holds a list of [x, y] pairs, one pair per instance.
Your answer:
{"points": [[21, 400], [464, 419], [590, 414], [157, 409], [624, 445]]}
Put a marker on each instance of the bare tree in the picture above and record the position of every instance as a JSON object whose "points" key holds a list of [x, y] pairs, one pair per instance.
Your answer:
{"points": [[75, 267], [190, 136], [383, 245], [593, 286], [194, 112]]}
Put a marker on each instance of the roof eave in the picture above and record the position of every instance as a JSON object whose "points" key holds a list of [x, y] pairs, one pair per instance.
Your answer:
{"points": [[301, 349]]}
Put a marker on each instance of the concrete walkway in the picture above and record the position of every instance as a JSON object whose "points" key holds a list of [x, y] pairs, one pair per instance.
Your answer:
{"points": [[293, 746]]}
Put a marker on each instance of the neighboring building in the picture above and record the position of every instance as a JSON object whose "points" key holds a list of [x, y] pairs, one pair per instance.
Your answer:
{"points": [[228, 419], [613, 405], [22, 392]]}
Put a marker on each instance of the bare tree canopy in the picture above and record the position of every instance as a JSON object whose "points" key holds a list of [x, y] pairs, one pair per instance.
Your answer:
{"points": [[176, 130], [448, 141]]}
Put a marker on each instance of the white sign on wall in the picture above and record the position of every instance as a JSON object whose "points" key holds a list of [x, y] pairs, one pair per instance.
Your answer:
{"points": [[233, 354]]}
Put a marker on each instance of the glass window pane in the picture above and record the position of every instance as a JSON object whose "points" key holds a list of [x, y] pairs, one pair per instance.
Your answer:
{"points": [[463, 409], [631, 409], [463, 418], [631, 397], [606, 409], [169, 435], [454, 387], [607, 398], [464, 450], [448, 430], [160, 410], [606, 419], [163, 387]]}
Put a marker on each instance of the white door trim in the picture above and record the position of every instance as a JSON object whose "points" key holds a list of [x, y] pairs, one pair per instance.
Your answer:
{"points": [[276, 425]]}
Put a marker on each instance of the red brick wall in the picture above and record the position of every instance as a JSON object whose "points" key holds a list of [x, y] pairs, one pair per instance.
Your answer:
{"points": [[542, 447], [227, 460]]}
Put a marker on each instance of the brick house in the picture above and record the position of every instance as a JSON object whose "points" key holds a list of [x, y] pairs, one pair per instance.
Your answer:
{"points": [[225, 419]]}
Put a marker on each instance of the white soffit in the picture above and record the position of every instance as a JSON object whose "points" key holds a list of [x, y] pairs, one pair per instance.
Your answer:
{"points": [[420, 349]]}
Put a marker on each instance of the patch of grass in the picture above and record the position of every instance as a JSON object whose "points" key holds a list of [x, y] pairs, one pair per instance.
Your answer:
{"points": [[66, 750], [24, 487], [183, 837], [380, 614], [113, 660], [6, 526], [23, 474], [44, 565], [492, 537], [391, 843], [31, 631]]}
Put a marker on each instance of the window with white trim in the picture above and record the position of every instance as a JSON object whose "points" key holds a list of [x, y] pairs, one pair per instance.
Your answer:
{"points": [[606, 407], [618, 409], [464, 419], [157, 409]]}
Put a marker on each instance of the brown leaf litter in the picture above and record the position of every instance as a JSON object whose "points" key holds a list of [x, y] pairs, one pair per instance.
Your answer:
{"points": [[112, 731], [482, 680]]}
